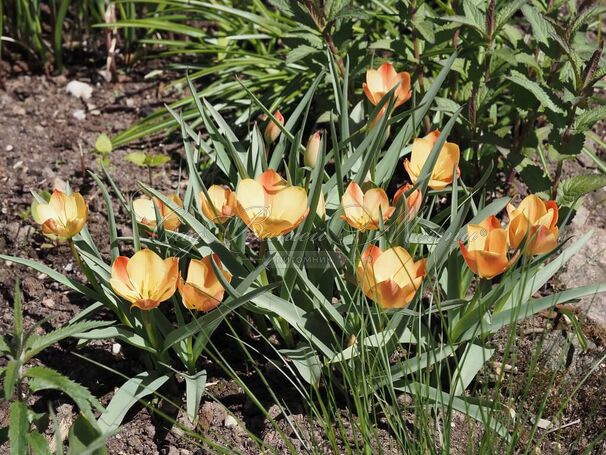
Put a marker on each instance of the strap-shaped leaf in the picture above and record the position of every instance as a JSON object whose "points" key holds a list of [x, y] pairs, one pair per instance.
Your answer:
{"points": [[18, 427]]}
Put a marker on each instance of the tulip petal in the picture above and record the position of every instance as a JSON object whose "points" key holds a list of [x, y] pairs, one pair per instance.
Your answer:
{"points": [[146, 270]]}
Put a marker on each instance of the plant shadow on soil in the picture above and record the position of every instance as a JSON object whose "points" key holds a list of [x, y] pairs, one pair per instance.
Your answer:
{"points": [[41, 142]]}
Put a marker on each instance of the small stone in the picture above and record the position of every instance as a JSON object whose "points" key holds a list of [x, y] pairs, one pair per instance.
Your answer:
{"points": [[230, 421], [49, 303], [79, 114], [41, 276], [130, 102], [69, 267], [173, 451], [116, 348], [9, 148], [79, 89], [19, 111]]}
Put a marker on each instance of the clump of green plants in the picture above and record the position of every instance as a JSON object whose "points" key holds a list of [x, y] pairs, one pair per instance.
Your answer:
{"points": [[22, 380]]}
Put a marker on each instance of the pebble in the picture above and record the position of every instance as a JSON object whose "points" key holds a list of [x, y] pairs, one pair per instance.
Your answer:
{"points": [[79, 114], [230, 421], [79, 89], [48, 302], [69, 267], [41, 276], [116, 348], [9, 148]]}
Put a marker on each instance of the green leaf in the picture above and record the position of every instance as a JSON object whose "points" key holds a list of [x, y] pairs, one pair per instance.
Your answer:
{"points": [[38, 443], [472, 360], [131, 392], [84, 437], [18, 428], [587, 119], [520, 79], [194, 390], [542, 30], [44, 378], [103, 144], [39, 343], [11, 374], [157, 160], [119, 333], [137, 158], [4, 347], [577, 186], [306, 361]]}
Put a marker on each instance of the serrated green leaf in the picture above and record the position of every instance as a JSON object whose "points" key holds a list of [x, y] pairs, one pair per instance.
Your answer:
{"points": [[103, 144], [36, 344], [587, 119], [4, 347], [533, 87], [18, 428], [38, 443], [541, 29], [577, 186], [44, 378], [10, 377]]}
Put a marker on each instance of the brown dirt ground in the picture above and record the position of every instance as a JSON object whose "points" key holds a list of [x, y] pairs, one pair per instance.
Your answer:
{"points": [[40, 141]]}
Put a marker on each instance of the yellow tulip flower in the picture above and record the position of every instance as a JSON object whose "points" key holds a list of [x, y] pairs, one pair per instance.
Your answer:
{"points": [[310, 157], [413, 201], [269, 205], [63, 216], [382, 80], [146, 214], [391, 277], [145, 280], [486, 251], [361, 210], [202, 290], [536, 222], [448, 160], [221, 206]]}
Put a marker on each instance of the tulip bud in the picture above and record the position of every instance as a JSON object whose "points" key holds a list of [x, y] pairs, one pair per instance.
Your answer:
{"points": [[63, 216], [321, 207], [361, 208], [310, 158], [272, 130]]}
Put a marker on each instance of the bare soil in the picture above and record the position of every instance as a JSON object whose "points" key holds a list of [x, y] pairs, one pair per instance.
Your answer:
{"points": [[41, 141]]}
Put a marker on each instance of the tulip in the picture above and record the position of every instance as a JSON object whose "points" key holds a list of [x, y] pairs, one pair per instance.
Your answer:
{"points": [[391, 277], [269, 205], [413, 201], [145, 280], [441, 176], [321, 207], [202, 290], [536, 222], [221, 206], [486, 251], [63, 216], [310, 157], [272, 130], [145, 212], [380, 82], [362, 209]]}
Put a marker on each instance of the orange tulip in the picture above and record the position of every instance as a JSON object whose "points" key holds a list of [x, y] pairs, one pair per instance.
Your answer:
{"points": [[202, 290], [269, 205], [361, 210], [221, 206], [63, 216], [379, 82], [536, 222], [391, 277], [413, 201], [486, 251], [272, 130], [448, 160], [145, 280], [145, 212]]}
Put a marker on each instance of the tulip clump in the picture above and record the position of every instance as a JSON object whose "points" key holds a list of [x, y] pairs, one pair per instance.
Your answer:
{"points": [[448, 161], [391, 277], [202, 290], [145, 212], [145, 279], [362, 211], [534, 223], [63, 216], [269, 205], [220, 204]]}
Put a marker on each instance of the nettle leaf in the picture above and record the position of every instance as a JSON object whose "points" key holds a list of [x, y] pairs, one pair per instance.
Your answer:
{"points": [[505, 13], [43, 378], [299, 53], [577, 186], [157, 160], [587, 119], [533, 87], [541, 28], [103, 144]]}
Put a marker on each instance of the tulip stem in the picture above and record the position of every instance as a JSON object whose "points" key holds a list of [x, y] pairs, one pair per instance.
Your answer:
{"points": [[149, 328]]}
